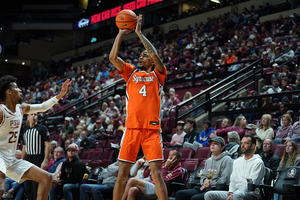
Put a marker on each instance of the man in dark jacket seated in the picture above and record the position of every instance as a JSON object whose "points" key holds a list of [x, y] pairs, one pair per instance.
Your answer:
{"points": [[68, 181], [270, 160]]}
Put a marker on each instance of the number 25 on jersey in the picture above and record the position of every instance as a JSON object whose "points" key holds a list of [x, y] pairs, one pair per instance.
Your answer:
{"points": [[143, 91]]}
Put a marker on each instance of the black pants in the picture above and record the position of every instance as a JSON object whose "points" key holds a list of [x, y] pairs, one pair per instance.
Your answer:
{"points": [[31, 186], [191, 194]]}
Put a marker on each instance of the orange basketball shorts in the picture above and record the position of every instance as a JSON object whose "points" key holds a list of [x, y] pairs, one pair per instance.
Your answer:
{"points": [[149, 139]]}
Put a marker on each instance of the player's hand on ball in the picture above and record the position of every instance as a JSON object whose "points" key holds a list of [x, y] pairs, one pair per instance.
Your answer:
{"points": [[125, 31]]}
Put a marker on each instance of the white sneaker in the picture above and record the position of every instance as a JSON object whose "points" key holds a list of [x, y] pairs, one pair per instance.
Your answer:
{"points": [[7, 195]]}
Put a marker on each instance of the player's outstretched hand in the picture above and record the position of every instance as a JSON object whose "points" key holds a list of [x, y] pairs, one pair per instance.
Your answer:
{"points": [[139, 24], [64, 87], [125, 31]]}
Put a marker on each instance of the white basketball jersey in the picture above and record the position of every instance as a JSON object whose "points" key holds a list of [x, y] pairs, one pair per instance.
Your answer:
{"points": [[10, 131]]}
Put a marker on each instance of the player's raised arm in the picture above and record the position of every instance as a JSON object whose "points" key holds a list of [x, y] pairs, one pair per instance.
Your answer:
{"points": [[113, 56], [43, 107], [148, 46]]}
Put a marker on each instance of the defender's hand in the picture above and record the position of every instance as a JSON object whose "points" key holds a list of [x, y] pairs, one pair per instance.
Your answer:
{"points": [[139, 24]]}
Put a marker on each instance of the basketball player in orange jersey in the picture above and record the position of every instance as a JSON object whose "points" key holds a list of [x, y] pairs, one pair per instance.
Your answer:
{"points": [[11, 115], [143, 109]]}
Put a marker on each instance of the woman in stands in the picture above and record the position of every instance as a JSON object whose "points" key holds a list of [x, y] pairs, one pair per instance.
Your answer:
{"points": [[233, 146], [264, 131], [63, 138], [290, 156], [285, 129], [238, 126]]}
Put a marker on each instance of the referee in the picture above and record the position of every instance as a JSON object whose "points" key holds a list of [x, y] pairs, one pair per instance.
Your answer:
{"points": [[36, 149]]}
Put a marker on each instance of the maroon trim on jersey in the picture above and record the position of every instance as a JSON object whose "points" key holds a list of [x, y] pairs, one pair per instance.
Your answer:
{"points": [[7, 110], [3, 114]]}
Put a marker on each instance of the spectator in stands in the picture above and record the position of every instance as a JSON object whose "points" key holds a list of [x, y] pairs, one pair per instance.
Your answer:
{"points": [[235, 67], [288, 54], [104, 190], [203, 137], [183, 72], [230, 57], [266, 101], [103, 121], [138, 170], [238, 126], [233, 146], [85, 143], [249, 166], [219, 132], [253, 49], [264, 131], [71, 95], [112, 72], [171, 172], [76, 139], [218, 174], [70, 178], [118, 101], [92, 124], [67, 143], [223, 58], [294, 133], [297, 85], [174, 101], [283, 108], [58, 158], [266, 60], [286, 73], [284, 130], [277, 58], [116, 130], [177, 138], [268, 38], [63, 138], [68, 127], [276, 73], [104, 72], [111, 108], [274, 89], [271, 52], [98, 130], [243, 51], [103, 109], [290, 156], [164, 105], [191, 126], [187, 95], [270, 160], [53, 145]]}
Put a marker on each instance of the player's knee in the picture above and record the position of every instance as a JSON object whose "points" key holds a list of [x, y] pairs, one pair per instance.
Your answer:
{"points": [[133, 192], [123, 176], [131, 182], [47, 179]]}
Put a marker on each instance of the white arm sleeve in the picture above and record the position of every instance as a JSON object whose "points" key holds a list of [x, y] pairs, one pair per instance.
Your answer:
{"points": [[43, 107]]}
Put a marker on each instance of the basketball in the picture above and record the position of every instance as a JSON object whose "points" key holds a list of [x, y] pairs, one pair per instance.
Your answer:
{"points": [[126, 19]]}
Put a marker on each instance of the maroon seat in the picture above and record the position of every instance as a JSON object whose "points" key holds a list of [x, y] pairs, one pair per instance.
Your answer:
{"points": [[98, 146], [186, 153], [190, 165], [202, 163], [278, 150], [104, 160], [202, 153], [110, 141], [166, 153], [85, 156], [94, 154]]}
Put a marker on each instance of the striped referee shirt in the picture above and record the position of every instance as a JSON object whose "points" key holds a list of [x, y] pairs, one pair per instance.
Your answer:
{"points": [[34, 139]]}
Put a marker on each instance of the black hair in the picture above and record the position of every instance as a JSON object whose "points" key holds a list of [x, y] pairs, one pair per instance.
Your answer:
{"points": [[207, 122], [285, 105], [191, 121], [179, 154], [253, 140], [5, 83]]}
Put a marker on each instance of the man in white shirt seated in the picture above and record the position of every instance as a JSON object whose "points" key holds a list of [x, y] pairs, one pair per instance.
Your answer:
{"points": [[247, 169]]}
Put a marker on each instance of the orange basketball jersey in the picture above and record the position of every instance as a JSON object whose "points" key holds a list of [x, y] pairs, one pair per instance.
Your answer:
{"points": [[143, 96]]}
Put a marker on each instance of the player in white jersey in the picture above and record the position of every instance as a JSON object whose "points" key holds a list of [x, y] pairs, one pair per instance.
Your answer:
{"points": [[11, 114]]}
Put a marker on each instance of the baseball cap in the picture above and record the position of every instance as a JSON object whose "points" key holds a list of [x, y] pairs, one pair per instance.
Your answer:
{"points": [[67, 119], [73, 146], [97, 88], [98, 121], [251, 91], [217, 139], [275, 65], [117, 96], [180, 123]]}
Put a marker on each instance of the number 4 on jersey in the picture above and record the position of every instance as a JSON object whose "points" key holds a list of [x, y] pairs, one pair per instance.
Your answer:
{"points": [[143, 91]]}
